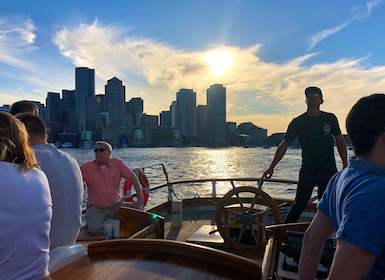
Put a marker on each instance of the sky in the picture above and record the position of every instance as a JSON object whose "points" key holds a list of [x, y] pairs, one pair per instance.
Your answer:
{"points": [[264, 52]]}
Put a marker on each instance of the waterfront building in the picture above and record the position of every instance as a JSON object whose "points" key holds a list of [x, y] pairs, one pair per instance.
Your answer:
{"points": [[85, 89], [201, 124], [186, 114], [134, 108], [148, 124], [107, 116], [69, 107], [101, 102], [258, 135], [216, 116], [53, 107], [173, 110], [115, 100], [231, 134], [165, 119]]}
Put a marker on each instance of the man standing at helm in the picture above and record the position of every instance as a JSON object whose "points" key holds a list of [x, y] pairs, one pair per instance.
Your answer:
{"points": [[316, 131]]}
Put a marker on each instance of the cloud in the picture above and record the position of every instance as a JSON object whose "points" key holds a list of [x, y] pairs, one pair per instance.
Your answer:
{"points": [[257, 91], [358, 13], [266, 93], [16, 41]]}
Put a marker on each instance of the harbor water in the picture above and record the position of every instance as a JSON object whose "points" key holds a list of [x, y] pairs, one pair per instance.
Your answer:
{"points": [[199, 163]]}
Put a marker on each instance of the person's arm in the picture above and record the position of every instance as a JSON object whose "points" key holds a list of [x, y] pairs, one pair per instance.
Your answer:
{"points": [[139, 193], [313, 244], [83, 176], [279, 153], [129, 174], [350, 262], [342, 150]]}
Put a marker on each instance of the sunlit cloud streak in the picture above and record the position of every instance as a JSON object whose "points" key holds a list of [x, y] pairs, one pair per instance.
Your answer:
{"points": [[16, 40], [356, 14]]}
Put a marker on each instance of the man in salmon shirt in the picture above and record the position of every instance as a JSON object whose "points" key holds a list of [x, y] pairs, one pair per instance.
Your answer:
{"points": [[102, 177]]}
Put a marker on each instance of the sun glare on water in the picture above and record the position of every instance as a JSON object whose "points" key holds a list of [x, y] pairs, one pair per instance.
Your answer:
{"points": [[220, 61]]}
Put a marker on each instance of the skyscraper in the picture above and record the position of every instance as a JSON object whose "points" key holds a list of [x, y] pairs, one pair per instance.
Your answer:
{"points": [[115, 100], [69, 107], [135, 108], [84, 88], [165, 119], [173, 110], [53, 107], [201, 117], [186, 114], [216, 116]]}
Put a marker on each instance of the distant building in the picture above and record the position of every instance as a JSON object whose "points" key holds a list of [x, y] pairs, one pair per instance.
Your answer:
{"points": [[115, 100], [70, 139], [53, 130], [173, 110], [53, 107], [148, 124], [87, 117], [275, 138], [68, 110], [258, 135], [216, 116], [231, 134], [101, 103], [165, 119], [185, 117], [201, 125], [84, 88], [134, 108]]}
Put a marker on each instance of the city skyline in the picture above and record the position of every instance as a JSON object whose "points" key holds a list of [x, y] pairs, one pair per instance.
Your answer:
{"points": [[265, 54]]}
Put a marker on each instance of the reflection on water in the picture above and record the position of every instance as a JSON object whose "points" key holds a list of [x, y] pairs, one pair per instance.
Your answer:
{"points": [[198, 162]]}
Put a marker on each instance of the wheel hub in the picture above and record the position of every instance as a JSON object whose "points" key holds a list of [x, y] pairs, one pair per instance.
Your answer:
{"points": [[247, 219]]}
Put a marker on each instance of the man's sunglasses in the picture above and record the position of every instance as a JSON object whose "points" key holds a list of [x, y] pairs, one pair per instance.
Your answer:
{"points": [[313, 95], [99, 150]]}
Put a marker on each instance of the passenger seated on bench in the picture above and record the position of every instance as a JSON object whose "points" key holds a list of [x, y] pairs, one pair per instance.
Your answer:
{"points": [[102, 177], [353, 203], [65, 181], [26, 205]]}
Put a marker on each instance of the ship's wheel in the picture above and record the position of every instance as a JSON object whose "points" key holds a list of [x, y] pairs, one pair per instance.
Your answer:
{"points": [[242, 215]]}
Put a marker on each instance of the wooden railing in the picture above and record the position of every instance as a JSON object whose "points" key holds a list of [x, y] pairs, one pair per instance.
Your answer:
{"points": [[171, 185]]}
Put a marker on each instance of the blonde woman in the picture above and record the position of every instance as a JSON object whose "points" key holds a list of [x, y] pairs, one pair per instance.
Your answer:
{"points": [[25, 208]]}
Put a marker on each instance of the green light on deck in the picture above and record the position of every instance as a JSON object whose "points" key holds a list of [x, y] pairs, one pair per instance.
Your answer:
{"points": [[154, 216]]}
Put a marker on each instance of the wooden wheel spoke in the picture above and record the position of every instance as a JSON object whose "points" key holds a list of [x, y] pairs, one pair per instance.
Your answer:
{"points": [[240, 235], [262, 212], [254, 235], [240, 201], [253, 202]]}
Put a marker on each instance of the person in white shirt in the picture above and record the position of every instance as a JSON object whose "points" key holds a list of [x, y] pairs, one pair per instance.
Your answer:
{"points": [[25, 208], [65, 180]]}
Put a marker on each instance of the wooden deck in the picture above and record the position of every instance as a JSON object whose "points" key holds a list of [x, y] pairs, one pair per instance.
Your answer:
{"points": [[194, 215], [191, 222]]}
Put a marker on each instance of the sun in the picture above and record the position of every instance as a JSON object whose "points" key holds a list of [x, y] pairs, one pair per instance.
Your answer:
{"points": [[220, 61]]}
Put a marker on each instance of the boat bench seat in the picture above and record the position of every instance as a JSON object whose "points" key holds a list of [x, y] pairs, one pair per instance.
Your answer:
{"points": [[136, 223], [133, 223], [206, 235]]}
